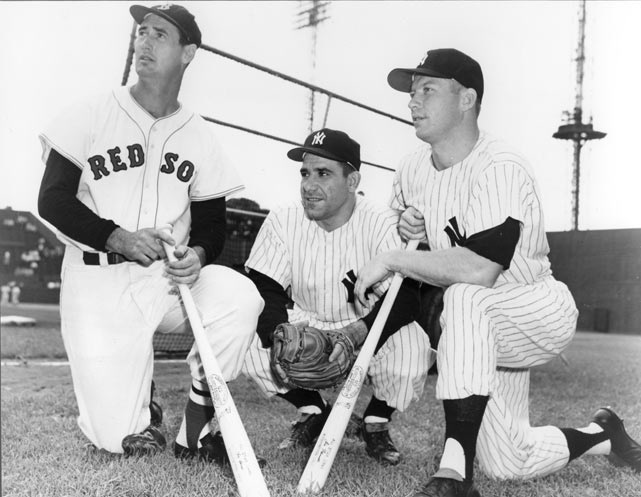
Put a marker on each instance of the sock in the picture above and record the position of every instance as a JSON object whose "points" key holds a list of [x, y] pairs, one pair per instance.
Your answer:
{"points": [[198, 414], [306, 401], [591, 440], [378, 411], [463, 419]]}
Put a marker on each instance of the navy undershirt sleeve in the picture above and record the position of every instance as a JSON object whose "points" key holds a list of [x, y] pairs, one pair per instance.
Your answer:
{"points": [[498, 243], [404, 310], [275, 310], [208, 223], [58, 204]]}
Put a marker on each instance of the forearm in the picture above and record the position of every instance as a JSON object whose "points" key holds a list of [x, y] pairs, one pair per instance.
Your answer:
{"points": [[404, 310], [275, 309], [444, 267], [58, 204], [208, 224]]}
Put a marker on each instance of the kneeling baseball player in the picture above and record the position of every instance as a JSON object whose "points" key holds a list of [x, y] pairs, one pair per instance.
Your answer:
{"points": [[313, 249], [477, 203], [118, 169]]}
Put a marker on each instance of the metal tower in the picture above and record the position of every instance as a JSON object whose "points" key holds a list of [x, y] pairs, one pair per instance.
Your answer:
{"points": [[574, 128], [310, 14]]}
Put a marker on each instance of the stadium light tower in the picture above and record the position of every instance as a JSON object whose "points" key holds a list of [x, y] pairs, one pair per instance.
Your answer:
{"points": [[310, 14], [574, 128]]}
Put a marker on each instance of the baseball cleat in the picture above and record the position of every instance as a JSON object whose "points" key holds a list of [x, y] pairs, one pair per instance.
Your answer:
{"points": [[378, 443], [626, 450], [212, 450], [148, 442], [306, 430], [447, 487]]}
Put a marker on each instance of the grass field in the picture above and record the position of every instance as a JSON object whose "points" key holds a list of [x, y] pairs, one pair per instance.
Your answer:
{"points": [[43, 450]]}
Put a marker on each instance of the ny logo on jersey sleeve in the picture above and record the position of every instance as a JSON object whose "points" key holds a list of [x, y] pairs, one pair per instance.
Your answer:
{"points": [[454, 234]]}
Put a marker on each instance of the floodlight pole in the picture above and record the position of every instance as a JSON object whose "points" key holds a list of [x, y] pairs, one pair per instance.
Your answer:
{"points": [[310, 14], [575, 129]]}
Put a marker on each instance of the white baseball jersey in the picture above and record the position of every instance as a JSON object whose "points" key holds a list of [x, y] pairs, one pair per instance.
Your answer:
{"points": [[297, 252], [141, 172], [526, 319], [130, 161]]}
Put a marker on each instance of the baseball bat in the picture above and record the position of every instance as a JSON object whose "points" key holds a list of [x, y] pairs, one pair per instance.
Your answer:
{"points": [[244, 465], [322, 457]]}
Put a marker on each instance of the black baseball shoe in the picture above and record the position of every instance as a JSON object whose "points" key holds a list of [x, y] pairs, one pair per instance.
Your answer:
{"points": [[306, 430], [447, 487], [154, 408], [378, 443], [147, 442], [212, 450], [624, 447]]}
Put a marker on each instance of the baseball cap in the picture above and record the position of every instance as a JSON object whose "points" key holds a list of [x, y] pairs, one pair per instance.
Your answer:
{"points": [[331, 144], [176, 14], [441, 63]]}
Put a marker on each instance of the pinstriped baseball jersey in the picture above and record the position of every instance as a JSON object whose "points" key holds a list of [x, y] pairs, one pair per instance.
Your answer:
{"points": [[293, 250], [491, 184], [527, 317], [139, 171]]}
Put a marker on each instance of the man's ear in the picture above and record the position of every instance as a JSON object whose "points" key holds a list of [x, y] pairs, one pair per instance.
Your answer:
{"points": [[468, 98], [353, 180], [189, 51]]}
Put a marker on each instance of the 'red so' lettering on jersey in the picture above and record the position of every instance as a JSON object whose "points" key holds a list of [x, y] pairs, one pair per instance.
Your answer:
{"points": [[137, 170]]}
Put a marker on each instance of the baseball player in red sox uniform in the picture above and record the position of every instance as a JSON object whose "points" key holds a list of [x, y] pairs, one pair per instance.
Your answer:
{"points": [[476, 201], [119, 168], [314, 247]]}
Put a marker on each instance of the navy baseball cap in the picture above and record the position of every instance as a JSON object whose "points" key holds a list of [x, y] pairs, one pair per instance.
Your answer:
{"points": [[177, 15], [446, 63], [331, 144]]}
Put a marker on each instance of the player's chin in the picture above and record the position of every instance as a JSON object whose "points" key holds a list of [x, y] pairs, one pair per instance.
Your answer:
{"points": [[313, 209]]}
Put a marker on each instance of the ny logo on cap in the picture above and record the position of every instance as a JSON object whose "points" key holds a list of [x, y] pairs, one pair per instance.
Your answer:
{"points": [[318, 138], [166, 6]]}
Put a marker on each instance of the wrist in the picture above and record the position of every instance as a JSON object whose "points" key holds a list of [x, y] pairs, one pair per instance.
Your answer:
{"points": [[356, 332], [202, 255], [114, 240]]}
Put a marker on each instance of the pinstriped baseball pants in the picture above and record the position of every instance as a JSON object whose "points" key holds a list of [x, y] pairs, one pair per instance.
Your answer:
{"points": [[491, 337]]}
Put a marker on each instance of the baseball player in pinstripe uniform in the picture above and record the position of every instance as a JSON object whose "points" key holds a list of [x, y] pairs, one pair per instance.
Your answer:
{"points": [[119, 168], [476, 202], [312, 248]]}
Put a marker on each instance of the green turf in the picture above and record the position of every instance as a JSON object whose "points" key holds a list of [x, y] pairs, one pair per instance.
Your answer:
{"points": [[43, 450]]}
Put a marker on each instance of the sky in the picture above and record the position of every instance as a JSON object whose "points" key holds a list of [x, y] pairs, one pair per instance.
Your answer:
{"points": [[54, 53]]}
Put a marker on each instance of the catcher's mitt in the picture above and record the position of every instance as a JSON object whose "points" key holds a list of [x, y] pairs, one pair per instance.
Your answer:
{"points": [[300, 353]]}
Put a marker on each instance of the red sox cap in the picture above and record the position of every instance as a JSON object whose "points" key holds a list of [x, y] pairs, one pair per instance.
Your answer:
{"points": [[331, 144], [441, 63], [177, 15]]}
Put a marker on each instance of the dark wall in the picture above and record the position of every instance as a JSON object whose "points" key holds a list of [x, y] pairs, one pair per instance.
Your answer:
{"points": [[602, 268]]}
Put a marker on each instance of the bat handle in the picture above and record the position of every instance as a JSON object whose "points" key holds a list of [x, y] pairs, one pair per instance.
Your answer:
{"points": [[412, 244]]}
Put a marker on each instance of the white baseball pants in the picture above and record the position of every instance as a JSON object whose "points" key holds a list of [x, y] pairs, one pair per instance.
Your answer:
{"points": [[109, 315], [490, 339]]}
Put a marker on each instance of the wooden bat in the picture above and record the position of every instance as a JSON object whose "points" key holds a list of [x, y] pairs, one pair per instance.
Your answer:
{"points": [[244, 465], [322, 457]]}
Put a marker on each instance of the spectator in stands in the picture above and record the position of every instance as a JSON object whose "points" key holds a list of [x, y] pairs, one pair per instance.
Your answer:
{"points": [[6, 290]]}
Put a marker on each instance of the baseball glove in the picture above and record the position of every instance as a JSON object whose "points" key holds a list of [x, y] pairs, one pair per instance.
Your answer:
{"points": [[300, 356]]}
